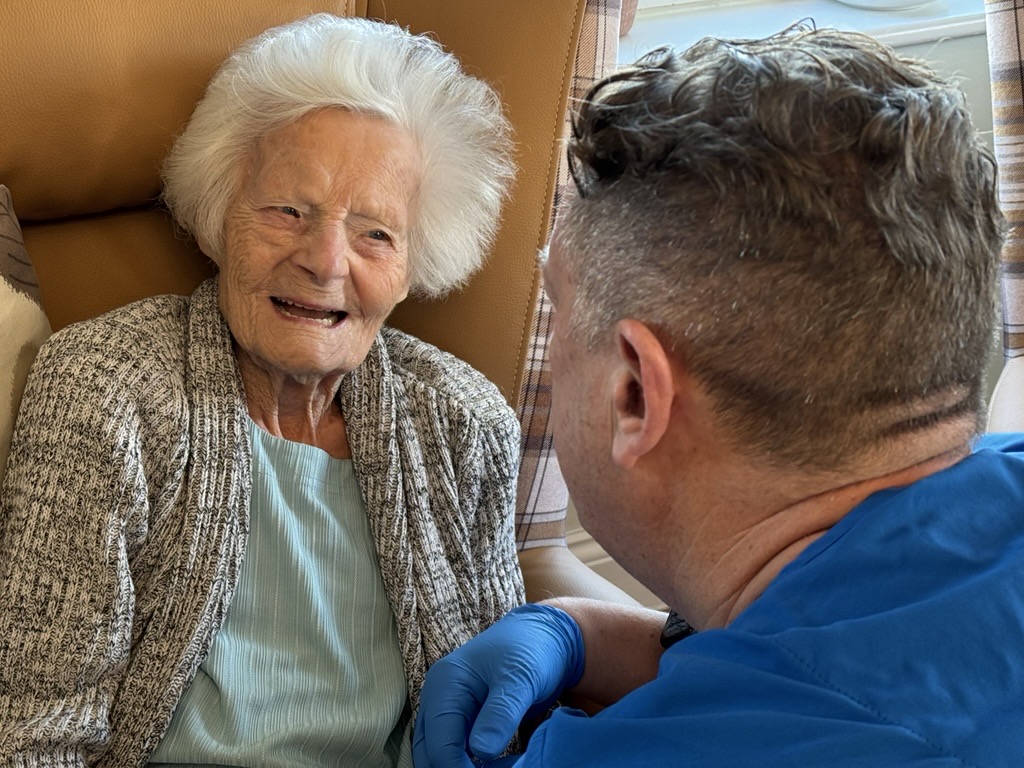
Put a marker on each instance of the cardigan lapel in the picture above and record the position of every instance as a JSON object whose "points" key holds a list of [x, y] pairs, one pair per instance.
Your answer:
{"points": [[369, 405], [202, 573], [219, 472]]}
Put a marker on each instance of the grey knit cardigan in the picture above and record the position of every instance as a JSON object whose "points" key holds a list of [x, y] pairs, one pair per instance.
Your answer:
{"points": [[125, 510]]}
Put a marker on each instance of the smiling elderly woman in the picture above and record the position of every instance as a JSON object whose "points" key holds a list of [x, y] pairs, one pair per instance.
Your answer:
{"points": [[237, 527]]}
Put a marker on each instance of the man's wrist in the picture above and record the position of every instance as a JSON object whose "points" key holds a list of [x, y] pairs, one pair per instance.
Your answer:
{"points": [[676, 629]]}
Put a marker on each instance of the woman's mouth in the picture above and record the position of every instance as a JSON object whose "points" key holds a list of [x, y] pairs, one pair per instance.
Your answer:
{"points": [[328, 318]]}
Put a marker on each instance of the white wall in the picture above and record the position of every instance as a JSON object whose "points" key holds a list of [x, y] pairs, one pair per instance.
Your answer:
{"points": [[948, 33]]}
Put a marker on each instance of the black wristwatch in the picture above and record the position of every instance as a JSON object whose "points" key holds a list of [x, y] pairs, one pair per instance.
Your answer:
{"points": [[676, 628]]}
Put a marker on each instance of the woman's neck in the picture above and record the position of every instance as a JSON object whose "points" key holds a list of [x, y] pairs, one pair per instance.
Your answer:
{"points": [[303, 411]]}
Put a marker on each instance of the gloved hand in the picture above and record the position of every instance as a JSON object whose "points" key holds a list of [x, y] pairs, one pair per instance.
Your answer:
{"points": [[474, 698]]}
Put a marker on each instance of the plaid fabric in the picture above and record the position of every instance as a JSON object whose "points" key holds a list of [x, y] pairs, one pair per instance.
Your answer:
{"points": [[542, 497], [1005, 22]]}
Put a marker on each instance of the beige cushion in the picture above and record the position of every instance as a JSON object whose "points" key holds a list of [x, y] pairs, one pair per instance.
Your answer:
{"points": [[22, 318]]}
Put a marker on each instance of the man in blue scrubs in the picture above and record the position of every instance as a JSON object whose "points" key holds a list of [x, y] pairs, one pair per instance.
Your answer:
{"points": [[774, 295]]}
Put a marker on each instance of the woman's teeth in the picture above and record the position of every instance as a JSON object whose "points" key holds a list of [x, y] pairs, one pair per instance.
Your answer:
{"points": [[325, 317]]}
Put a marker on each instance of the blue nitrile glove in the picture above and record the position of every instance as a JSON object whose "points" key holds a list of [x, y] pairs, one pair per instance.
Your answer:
{"points": [[474, 698]]}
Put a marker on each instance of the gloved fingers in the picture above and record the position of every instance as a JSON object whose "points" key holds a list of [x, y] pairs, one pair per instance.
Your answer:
{"points": [[475, 698], [498, 719], [441, 742], [501, 762]]}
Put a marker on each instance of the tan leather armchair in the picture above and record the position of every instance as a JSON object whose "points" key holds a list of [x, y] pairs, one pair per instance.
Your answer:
{"points": [[94, 93]]}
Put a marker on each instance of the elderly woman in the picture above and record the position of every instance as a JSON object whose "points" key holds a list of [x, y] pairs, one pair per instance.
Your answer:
{"points": [[236, 528]]}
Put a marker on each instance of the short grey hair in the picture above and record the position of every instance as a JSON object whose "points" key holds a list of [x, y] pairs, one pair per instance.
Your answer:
{"points": [[808, 221], [368, 67]]}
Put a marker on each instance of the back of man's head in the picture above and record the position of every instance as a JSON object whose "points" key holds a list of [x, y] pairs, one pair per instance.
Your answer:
{"points": [[808, 222]]}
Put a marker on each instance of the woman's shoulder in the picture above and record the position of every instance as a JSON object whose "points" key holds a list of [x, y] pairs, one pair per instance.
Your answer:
{"points": [[448, 379], [142, 333], [140, 318]]}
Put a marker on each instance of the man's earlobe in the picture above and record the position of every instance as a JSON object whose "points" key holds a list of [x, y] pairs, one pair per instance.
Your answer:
{"points": [[642, 390]]}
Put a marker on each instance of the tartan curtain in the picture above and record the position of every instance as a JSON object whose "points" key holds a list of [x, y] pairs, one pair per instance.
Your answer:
{"points": [[1005, 27]]}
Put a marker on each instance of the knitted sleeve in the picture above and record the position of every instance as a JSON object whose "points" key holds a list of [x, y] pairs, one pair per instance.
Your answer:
{"points": [[74, 507], [489, 496], [478, 436]]}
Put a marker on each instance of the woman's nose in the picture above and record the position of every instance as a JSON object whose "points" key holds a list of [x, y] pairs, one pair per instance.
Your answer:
{"points": [[325, 254]]}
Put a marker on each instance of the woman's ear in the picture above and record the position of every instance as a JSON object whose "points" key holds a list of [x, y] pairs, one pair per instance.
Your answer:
{"points": [[643, 388], [209, 250]]}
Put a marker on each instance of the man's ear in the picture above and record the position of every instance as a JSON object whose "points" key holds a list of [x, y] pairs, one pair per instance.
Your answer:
{"points": [[642, 388]]}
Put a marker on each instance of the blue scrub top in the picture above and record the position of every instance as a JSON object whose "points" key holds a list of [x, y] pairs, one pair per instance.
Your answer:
{"points": [[896, 639]]}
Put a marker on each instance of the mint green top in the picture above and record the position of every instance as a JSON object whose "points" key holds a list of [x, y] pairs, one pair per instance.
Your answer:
{"points": [[306, 670]]}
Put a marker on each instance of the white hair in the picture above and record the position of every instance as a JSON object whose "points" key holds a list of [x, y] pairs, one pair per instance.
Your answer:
{"points": [[371, 68]]}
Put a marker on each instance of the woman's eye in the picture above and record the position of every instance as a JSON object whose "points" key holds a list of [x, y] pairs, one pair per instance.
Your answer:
{"points": [[380, 234], [287, 210]]}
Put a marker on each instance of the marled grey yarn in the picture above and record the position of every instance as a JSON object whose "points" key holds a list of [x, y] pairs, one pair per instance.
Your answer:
{"points": [[131, 467]]}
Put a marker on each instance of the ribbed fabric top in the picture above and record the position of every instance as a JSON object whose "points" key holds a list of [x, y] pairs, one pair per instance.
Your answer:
{"points": [[307, 669]]}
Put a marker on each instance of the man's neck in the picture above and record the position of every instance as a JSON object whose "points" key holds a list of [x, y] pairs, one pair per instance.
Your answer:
{"points": [[774, 518]]}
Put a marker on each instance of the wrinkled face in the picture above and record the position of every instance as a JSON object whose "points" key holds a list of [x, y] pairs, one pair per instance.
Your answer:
{"points": [[316, 242]]}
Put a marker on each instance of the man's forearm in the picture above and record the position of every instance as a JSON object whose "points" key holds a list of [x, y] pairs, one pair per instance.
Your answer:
{"points": [[622, 643]]}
